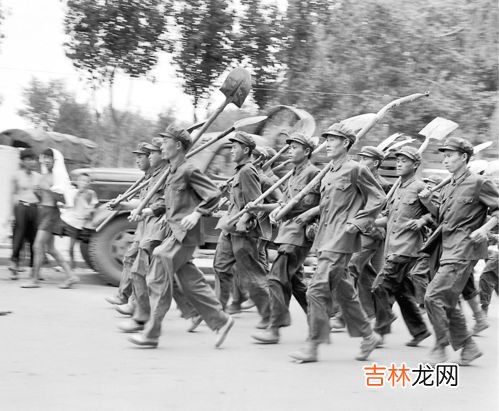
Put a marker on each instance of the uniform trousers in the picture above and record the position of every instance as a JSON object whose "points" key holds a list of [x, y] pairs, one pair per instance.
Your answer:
{"points": [[489, 281], [364, 273], [243, 252], [24, 229], [125, 288], [286, 279], [170, 258], [395, 280], [332, 280], [420, 276], [442, 302]]}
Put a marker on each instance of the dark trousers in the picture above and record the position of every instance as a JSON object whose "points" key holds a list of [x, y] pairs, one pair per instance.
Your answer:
{"points": [[125, 289], [420, 276], [169, 258], [332, 280], [285, 280], [24, 229], [394, 280], [489, 281], [442, 303], [243, 253], [364, 273], [470, 291]]}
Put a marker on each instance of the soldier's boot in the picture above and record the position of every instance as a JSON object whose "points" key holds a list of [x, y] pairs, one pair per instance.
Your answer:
{"points": [[308, 353], [367, 346], [470, 352], [336, 323], [479, 315], [268, 336], [195, 322], [130, 326], [438, 354]]}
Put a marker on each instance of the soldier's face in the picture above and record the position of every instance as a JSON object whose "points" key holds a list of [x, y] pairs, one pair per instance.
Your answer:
{"points": [[405, 166], [30, 163], [454, 160], [336, 146], [155, 158], [170, 148], [369, 162], [142, 162], [238, 151], [297, 153]]}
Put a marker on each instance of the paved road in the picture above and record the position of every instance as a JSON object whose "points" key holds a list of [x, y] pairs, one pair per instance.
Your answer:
{"points": [[59, 350]]}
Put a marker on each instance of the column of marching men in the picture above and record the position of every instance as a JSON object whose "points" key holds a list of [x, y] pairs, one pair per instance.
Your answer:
{"points": [[370, 248]]}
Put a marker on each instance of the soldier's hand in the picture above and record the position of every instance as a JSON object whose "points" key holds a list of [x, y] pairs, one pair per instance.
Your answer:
{"points": [[425, 194], [273, 214], [303, 218], [222, 187], [111, 205], [147, 212], [252, 207], [352, 228], [135, 216], [478, 235], [414, 225], [190, 221]]}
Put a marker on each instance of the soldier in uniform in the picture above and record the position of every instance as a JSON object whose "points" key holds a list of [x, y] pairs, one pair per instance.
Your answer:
{"points": [[125, 287], [286, 274], [366, 264], [404, 219], [239, 245], [152, 233], [350, 200], [188, 195], [465, 203]]}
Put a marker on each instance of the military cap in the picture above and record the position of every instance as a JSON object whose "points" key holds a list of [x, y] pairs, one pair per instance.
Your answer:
{"points": [[27, 153], [244, 138], [410, 152], [142, 149], [301, 139], [155, 144], [340, 130], [457, 144], [372, 152], [179, 134]]}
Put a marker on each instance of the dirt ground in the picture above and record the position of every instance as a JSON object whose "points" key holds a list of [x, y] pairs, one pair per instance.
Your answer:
{"points": [[60, 350]]}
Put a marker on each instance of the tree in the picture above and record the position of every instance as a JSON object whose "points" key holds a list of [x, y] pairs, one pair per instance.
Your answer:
{"points": [[43, 102], [201, 50], [113, 37]]}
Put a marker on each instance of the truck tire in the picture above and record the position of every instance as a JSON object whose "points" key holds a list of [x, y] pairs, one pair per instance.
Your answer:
{"points": [[86, 255], [107, 247]]}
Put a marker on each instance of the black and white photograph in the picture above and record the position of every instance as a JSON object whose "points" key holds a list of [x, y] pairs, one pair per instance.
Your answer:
{"points": [[251, 205]]}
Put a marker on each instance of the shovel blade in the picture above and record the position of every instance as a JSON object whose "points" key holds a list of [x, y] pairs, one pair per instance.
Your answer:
{"points": [[481, 147], [438, 128], [237, 86], [357, 123]]}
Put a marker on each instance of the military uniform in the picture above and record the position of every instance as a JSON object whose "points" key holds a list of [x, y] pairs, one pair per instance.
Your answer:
{"points": [[465, 203], [367, 263], [186, 190], [125, 289], [349, 194], [402, 247], [242, 249]]}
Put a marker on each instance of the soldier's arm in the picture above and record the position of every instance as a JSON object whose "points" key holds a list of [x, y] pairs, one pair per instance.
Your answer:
{"points": [[374, 195], [206, 190], [490, 197]]}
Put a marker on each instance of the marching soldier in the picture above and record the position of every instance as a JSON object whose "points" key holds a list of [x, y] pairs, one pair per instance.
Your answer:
{"points": [[285, 277], [239, 245], [465, 203], [125, 287], [404, 220], [152, 233], [188, 195], [366, 264], [350, 200]]}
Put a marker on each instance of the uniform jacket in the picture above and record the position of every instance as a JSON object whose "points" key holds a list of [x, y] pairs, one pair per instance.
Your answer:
{"points": [[349, 193]]}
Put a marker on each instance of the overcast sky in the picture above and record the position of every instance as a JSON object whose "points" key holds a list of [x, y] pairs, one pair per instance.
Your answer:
{"points": [[33, 47]]}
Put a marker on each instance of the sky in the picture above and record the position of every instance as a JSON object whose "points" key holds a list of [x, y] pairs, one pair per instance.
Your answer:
{"points": [[33, 47]]}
